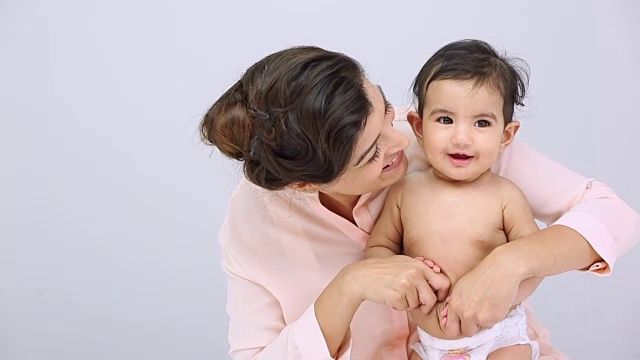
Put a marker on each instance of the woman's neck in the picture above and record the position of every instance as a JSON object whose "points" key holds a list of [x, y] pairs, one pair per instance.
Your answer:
{"points": [[339, 204]]}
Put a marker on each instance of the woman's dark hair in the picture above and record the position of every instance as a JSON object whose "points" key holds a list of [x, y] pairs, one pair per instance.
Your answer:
{"points": [[475, 60], [293, 117]]}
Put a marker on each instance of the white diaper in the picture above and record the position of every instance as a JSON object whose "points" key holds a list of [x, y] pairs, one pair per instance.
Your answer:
{"points": [[510, 331]]}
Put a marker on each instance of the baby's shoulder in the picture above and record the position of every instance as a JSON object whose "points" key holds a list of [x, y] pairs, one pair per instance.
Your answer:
{"points": [[410, 183], [502, 186], [420, 178], [499, 181]]}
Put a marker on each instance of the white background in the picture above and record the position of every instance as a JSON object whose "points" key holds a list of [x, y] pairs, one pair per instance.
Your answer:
{"points": [[110, 207]]}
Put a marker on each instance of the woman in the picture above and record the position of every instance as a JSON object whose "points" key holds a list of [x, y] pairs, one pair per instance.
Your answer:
{"points": [[320, 149]]}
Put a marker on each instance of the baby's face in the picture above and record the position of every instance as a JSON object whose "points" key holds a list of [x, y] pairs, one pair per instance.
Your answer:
{"points": [[463, 128]]}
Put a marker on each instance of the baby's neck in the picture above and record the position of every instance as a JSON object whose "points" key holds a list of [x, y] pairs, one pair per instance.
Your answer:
{"points": [[438, 176]]}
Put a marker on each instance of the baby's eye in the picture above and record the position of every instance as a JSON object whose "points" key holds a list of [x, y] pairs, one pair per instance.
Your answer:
{"points": [[482, 123], [445, 120]]}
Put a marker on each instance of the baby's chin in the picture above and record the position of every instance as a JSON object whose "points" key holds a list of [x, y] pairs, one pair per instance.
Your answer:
{"points": [[459, 176]]}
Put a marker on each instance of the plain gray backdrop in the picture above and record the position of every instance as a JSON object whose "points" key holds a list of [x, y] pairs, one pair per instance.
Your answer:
{"points": [[110, 207]]}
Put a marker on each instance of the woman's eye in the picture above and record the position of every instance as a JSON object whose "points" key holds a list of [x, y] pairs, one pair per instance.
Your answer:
{"points": [[445, 120], [483, 123], [387, 107], [376, 155]]}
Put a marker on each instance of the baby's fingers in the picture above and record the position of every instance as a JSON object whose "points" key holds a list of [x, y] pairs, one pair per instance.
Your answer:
{"points": [[451, 324], [432, 265]]}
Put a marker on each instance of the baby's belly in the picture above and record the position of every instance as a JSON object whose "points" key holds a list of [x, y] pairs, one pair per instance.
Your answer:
{"points": [[455, 262]]}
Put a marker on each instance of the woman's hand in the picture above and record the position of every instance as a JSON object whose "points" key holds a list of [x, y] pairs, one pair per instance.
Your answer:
{"points": [[482, 297], [399, 281]]}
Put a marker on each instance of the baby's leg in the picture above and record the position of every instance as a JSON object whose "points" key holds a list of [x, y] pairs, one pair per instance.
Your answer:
{"points": [[415, 356], [514, 352]]}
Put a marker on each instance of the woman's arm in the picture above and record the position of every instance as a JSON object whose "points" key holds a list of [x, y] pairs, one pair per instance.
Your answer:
{"points": [[398, 281], [263, 245], [590, 227], [604, 226], [483, 296], [257, 329]]}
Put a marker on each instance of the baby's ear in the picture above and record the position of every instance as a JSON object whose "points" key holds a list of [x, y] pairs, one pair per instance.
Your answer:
{"points": [[416, 125], [509, 134]]}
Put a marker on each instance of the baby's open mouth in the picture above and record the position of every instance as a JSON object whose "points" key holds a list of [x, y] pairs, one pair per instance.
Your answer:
{"points": [[460, 156]]}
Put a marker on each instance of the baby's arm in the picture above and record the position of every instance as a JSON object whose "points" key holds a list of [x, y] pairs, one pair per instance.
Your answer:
{"points": [[386, 236], [519, 222]]}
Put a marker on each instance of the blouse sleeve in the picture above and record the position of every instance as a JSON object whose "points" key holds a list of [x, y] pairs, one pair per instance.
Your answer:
{"points": [[256, 326], [557, 195]]}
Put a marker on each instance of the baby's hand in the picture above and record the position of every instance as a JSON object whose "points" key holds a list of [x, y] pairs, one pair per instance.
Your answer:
{"points": [[440, 284], [433, 266], [430, 264]]}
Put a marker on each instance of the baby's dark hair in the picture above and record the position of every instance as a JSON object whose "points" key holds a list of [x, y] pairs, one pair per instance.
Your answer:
{"points": [[293, 117], [478, 61]]}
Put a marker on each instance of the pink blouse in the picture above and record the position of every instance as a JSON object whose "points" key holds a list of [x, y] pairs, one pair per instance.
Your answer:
{"points": [[280, 249]]}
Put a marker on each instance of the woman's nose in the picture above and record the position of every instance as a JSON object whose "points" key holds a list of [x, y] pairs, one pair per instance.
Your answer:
{"points": [[396, 140]]}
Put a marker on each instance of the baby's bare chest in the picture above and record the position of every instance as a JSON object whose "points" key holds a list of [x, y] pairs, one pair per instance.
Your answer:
{"points": [[467, 223]]}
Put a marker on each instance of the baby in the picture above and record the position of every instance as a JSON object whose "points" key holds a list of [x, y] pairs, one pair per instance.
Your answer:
{"points": [[457, 211]]}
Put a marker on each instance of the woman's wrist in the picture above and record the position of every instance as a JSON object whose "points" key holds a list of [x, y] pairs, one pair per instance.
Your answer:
{"points": [[513, 261], [550, 251], [348, 284], [335, 308]]}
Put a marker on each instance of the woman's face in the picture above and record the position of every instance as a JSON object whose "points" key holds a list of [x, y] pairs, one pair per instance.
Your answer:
{"points": [[379, 159]]}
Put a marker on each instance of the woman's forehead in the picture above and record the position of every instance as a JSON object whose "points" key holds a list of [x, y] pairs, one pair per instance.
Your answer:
{"points": [[369, 136]]}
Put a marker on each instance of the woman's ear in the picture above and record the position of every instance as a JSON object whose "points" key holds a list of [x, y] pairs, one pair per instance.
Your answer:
{"points": [[416, 125], [509, 134], [305, 187]]}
